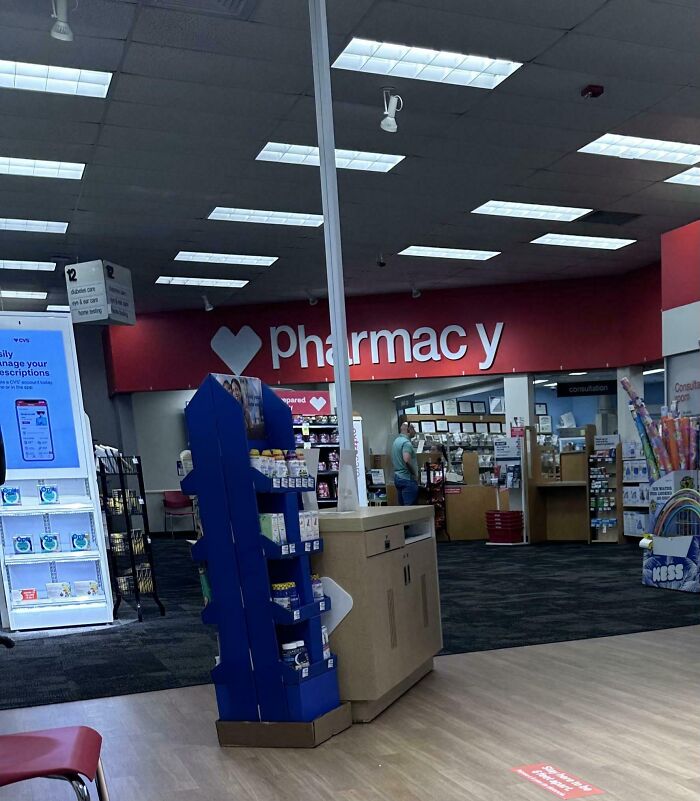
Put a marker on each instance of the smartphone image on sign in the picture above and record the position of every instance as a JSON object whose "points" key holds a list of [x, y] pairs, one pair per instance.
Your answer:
{"points": [[34, 430]]}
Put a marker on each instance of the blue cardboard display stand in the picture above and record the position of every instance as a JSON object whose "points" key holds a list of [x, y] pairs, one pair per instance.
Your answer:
{"points": [[252, 683]]}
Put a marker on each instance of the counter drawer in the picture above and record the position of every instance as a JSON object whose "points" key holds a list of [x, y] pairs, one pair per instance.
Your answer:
{"points": [[385, 539]]}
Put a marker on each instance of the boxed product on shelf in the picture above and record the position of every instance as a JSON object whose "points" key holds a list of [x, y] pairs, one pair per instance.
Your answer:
{"points": [[636, 524], [635, 470], [58, 589], [635, 494], [308, 525], [10, 496], [273, 527], [632, 449], [23, 545]]}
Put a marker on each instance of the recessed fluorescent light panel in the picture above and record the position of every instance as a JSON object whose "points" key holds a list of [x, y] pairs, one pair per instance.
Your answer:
{"points": [[344, 159], [632, 147], [58, 80], [37, 168], [449, 253], [267, 217], [13, 295], [654, 371], [33, 226], [533, 211], [540, 381], [229, 283], [225, 258], [551, 386], [52, 308], [595, 242], [47, 266], [690, 177], [422, 64], [579, 373]]}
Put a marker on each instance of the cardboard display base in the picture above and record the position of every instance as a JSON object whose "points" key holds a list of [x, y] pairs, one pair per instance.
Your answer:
{"points": [[284, 735], [366, 711]]}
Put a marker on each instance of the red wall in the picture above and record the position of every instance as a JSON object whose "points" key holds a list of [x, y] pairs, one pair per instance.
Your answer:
{"points": [[546, 327], [680, 257]]}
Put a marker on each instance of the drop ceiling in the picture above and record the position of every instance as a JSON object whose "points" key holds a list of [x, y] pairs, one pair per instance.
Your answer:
{"points": [[196, 95]]}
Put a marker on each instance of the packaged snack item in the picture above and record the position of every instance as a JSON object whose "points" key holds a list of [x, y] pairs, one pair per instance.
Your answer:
{"points": [[80, 542], [23, 544], [86, 588], [48, 493], [325, 438], [10, 496], [317, 587], [323, 490], [58, 589], [50, 542]]}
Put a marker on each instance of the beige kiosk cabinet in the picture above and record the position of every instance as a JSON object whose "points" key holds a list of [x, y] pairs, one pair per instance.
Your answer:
{"points": [[385, 557]]}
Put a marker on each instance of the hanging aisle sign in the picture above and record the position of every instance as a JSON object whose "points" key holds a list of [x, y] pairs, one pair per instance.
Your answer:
{"points": [[100, 292]]}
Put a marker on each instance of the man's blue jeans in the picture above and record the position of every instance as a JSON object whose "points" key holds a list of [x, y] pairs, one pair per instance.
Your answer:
{"points": [[407, 490]]}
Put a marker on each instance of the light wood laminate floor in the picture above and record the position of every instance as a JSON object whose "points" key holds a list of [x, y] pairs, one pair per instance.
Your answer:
{"points": [[620, 712]]}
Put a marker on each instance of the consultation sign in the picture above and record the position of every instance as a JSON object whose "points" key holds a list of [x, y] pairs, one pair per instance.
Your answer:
{"points": [[576, 389]]}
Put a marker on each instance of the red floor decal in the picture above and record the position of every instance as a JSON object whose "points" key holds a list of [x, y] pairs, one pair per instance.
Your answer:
{"points": [[557, 782]]}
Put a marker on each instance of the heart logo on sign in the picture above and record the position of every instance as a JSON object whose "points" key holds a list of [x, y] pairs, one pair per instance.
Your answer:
{"points": [[236, 350], [317, 403]]}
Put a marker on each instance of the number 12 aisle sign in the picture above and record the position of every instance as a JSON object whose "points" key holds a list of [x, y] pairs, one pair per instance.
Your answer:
{"points": [[100, 292]]}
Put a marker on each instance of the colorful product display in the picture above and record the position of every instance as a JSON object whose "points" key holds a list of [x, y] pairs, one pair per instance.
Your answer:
{"points": [[671, 444]]}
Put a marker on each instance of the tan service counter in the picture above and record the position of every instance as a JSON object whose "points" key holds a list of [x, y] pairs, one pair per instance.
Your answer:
{"points": [[466, 506], [385, 557]]}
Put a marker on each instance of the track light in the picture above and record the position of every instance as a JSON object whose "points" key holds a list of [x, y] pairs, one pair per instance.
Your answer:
{"points": [[392, 104], [207, 304], [415, 293], [61, 30]]}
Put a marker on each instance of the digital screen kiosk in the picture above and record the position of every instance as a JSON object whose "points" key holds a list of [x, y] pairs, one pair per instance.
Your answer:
{"points": [[52, 545]]}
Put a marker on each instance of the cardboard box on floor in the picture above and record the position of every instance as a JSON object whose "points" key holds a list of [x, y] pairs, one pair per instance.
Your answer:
{"points": [[284, 735]]}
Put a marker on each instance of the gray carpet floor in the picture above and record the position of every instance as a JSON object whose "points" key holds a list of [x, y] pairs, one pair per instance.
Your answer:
{"points": [[491, 598]]}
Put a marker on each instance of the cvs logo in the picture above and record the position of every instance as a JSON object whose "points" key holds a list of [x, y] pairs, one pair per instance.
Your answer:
{"points": [[668, 573]]}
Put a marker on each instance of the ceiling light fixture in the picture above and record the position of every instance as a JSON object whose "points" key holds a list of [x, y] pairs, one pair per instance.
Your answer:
{"points": [[54, 308], [45, 266], [654, 371], [225, 258], [38, 168], [61, 30], [392, 104], [540, 381], [422, 64], [11, 294], [58, 80], [533, 211], [449, 253], [221, 283], [579, 373], [594, 242], [344, 159], [267, 217], [633, 147], [690, 177], [33, 226], [551, 386]]}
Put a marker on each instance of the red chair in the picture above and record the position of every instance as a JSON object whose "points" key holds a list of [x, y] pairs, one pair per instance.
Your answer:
{"points": [[177, 504], [67, 754]]}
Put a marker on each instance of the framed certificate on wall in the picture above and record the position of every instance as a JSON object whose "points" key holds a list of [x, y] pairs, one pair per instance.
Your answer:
{"points": [[479, 407], [465, 407]]}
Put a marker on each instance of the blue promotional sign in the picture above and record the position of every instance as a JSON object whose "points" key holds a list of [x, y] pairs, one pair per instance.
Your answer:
{"points": [[36, 411]]}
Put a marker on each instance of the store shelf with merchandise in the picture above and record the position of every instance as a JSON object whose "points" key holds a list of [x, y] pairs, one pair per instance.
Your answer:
{"points": [[321, 432], [635, 490], [605, 490], [264, 598], [131, 557]]}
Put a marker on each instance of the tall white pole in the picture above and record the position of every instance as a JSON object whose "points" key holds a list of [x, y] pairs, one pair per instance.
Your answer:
{"points": [[331, 219]]}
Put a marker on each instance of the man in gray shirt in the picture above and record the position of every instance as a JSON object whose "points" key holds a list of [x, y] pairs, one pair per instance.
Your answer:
{"points": [[403, 459]]}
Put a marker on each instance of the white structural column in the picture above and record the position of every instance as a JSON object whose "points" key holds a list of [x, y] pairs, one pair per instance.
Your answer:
{"points": [[625, 423], [519, 394], [331, 219]]}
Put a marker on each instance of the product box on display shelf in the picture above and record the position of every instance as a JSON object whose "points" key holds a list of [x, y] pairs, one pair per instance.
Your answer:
{"points": [[53, 562], [251, 481]]}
